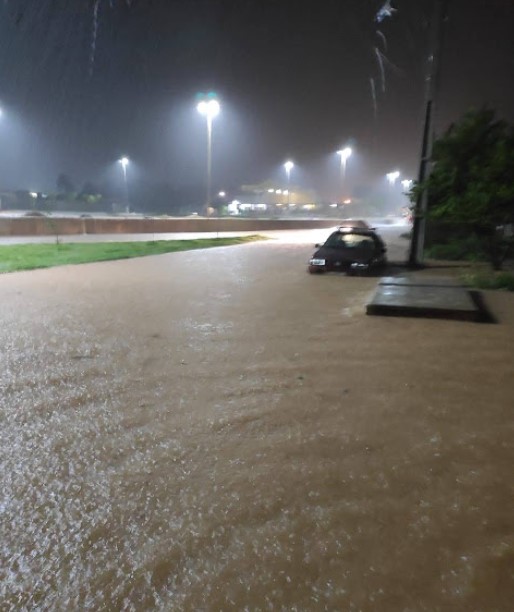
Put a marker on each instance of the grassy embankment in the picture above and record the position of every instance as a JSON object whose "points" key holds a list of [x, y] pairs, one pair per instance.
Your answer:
{"points": [[476, 274], [18, 257], [479, 275]]}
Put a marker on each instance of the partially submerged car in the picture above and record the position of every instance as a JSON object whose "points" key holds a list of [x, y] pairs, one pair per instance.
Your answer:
{"points": [[354, 250]]}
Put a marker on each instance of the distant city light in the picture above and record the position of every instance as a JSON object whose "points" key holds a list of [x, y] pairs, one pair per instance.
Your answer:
{"points": [[124, 161], [271, 191], [222, 194], [279, 191], [233, 207], [347, 201]]}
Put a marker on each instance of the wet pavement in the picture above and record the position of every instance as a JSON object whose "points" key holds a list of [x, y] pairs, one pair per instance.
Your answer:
{"points": [[219, 430]]}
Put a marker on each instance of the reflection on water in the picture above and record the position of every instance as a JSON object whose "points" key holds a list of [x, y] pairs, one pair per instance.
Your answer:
{"points": [[240, 436]]}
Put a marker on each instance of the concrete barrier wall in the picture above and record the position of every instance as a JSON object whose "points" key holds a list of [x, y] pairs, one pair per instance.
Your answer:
{"points": [[50, 226]]}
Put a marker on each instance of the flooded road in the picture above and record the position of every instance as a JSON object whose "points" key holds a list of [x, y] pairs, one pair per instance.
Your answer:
{"points": [[218, 430]]}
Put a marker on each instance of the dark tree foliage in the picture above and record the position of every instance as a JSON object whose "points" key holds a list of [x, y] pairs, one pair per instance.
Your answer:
{"points": [[65, 184], [472, 181]]}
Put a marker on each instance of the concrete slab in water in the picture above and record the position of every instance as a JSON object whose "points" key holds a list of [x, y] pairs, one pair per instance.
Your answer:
{"points": [[421, 281], [435, 297]]}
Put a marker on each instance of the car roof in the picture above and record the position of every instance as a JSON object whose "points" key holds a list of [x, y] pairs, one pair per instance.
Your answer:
{"points": [[353, 223], [347, 229]]}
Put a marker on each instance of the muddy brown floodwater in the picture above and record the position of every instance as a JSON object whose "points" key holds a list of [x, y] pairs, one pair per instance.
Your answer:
{"points": [[218, 430]]}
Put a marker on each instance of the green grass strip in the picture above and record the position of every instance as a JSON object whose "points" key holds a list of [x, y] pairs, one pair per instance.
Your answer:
{"points": [[490, 280], [17, 257]]}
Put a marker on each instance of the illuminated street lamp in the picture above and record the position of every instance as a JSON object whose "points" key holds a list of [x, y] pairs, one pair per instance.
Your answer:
{"points": [[344, 154], [124, 161], [210, 109], [406, 184], [289, 165], [392, 177]]}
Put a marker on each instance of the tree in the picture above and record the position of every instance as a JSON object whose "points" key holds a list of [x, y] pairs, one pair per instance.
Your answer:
{"points": [[65, 184], [472, 181]]}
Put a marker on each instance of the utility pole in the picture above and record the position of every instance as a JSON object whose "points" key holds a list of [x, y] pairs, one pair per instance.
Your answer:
{"points": [[432, 81]]}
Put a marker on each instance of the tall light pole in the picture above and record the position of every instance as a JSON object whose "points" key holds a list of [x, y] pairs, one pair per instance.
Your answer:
{"points": [[209, 109], [344, 154], [124, 161], [417, 245], [289, 165]]}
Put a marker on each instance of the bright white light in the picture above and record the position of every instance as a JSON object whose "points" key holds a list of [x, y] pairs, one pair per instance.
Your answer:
{"points": [[279, 191], [333, 205], [209, 109], [233, 207], [33, 194], [222, 194], [345, 153], [289, 165], [271, 191], [406, 183], [286, 191], [124, 161], [392, 177], [347, 201], [235, 202]]}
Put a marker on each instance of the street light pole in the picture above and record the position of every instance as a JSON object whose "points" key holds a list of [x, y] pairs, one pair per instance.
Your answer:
{"points": [[209, 161], [289, 165], [417, 245], [209, 109], [124, 161], [344, 154]]}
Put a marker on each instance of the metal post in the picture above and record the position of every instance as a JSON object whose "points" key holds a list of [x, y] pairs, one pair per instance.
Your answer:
{"points": [[125, 180], [209, 163]]}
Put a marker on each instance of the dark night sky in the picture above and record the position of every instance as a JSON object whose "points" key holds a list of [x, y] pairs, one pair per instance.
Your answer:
{"points": [[293, 78]]}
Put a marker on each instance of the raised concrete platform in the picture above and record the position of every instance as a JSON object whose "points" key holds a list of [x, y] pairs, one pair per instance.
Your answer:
{"points": [[424, 296]]}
